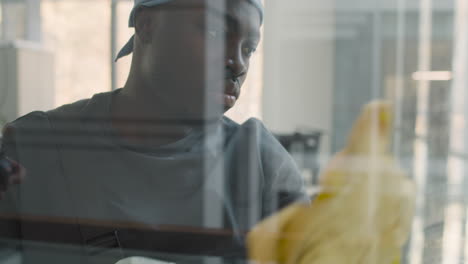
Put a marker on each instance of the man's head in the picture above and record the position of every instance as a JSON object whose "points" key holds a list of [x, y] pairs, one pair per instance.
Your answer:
{"points": [[189, 53]]}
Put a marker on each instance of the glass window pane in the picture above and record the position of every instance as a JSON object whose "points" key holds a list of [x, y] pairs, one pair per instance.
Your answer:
{"points": [[14, 20], [218, 115], [78, 33]]}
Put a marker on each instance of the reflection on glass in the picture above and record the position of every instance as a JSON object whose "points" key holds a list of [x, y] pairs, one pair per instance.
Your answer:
{"points": [[455, 215], [316, 64]]}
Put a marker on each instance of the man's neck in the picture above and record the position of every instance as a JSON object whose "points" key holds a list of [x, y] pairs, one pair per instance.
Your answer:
{"points": [[142, 122]]}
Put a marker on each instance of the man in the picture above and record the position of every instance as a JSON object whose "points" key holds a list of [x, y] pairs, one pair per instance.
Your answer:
{"points": [[158, 151]]}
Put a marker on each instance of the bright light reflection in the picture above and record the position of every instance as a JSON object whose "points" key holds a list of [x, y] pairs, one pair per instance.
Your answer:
{"points": [[421, 132], [432, 76]]}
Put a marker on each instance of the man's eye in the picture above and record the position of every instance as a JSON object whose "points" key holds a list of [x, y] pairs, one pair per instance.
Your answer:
{"points": [[248, 51]]}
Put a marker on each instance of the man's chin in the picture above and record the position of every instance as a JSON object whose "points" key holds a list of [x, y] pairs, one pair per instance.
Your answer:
{"points": [[227, 108]]}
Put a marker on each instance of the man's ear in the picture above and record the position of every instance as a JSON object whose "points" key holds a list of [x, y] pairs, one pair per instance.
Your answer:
{"points": [[144, 23]]}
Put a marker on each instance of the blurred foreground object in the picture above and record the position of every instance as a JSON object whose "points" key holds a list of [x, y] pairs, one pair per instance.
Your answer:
{"points": [[362, 214]]}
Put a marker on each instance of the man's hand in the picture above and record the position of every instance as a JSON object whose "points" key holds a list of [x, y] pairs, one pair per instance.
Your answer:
{"points": [[362, 215], [11, 172]]}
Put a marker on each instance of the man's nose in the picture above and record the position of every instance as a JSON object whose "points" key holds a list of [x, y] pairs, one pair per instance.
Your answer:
{"points": [[235, 65]]}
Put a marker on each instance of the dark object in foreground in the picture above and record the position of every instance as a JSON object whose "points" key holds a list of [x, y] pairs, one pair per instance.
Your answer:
{"points": [[107, 237]]}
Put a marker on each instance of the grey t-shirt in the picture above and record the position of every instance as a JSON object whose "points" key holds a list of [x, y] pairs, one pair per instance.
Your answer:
{"points": [[225, 175]]}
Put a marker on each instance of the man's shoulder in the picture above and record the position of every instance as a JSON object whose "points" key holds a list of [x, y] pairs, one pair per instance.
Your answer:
{"points": [[251, 124], [254, 127], [253, 131], [68, 111], [98, 103]]}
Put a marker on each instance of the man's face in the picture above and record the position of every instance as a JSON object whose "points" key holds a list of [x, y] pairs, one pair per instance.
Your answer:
{"points": [[199, 55]]}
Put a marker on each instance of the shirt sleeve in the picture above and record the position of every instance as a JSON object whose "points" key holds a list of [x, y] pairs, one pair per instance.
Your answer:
{"points": [[10, 228], [283, 184], [289, 184]]}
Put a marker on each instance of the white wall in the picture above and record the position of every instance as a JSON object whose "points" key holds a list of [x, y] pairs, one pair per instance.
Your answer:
{"points": [[299, 65], [26, 79]]}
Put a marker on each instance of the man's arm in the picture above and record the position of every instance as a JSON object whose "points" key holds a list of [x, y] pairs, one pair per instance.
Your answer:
{"points": [[11, 173], [289, 184], [284, 183]]}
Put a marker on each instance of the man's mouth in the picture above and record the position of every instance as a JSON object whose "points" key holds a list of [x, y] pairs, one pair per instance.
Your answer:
{"points": [[231, 92], [229, 100]]}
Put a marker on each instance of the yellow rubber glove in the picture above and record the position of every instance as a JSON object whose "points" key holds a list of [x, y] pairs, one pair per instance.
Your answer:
{"points": [[362, 214]]}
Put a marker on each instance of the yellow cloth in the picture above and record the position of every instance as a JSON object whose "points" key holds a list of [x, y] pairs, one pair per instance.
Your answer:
{"points": [[362, 214]]}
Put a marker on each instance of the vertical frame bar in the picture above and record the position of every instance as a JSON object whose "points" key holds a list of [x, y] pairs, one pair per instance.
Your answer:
{"points": [[377, 50], [400, 75], [420, 160], [113, 43], [213, 208], [7, 33], [452, 251], [33, 21], [213, 166], [2, 20]]}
